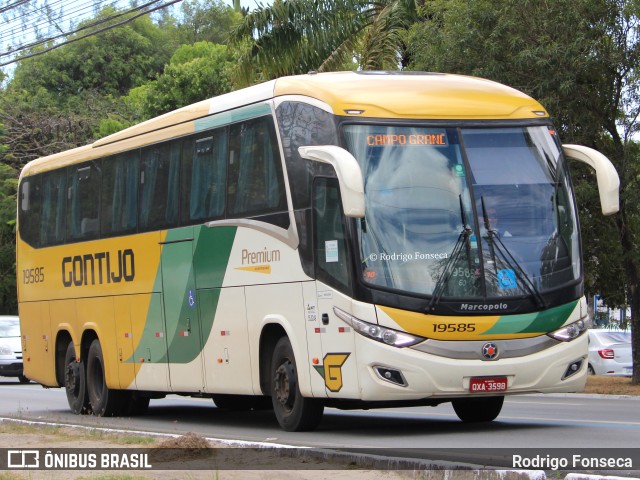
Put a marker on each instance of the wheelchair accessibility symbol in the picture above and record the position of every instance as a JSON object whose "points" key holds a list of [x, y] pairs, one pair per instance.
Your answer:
{"points": [[507, 279], [192, 299]]}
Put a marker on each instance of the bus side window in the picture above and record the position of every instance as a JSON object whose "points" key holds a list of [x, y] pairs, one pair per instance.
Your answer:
{"points": [[119, 195], [204, 177], [52, 220], [159, 186], [256, 183], [83, 201], [332, 260], [30, 208]]}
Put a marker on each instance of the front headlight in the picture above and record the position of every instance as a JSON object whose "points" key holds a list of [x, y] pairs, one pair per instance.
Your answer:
{"points": [[5, 349], [569, 332], [384, 335]]}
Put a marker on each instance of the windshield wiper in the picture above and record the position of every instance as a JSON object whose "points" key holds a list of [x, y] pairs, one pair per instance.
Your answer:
{"points": [[507, 257], [461, 243]]}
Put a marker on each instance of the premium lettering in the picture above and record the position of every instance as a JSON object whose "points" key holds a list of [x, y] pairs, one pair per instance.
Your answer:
{"points": [[98, 268], [260, 256]]}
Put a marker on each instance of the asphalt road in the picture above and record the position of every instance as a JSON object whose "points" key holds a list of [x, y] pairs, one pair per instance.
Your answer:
{"points": [[530, 421]]}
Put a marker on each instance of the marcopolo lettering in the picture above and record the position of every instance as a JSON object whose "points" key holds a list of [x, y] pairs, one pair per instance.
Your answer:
{"points": [[477, 307], [98, 268]]}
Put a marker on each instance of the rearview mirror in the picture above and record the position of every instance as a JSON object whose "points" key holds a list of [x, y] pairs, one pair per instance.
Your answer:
{"points": [[606, 175], [348, 172]]}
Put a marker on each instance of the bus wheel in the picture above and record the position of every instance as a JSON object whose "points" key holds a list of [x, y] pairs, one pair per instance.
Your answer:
{"points": [[474, 410], [75, 382], [294, 412], [105, 402]]}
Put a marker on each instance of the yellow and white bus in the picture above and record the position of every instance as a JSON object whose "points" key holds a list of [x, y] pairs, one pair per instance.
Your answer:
{"points": [[352, 240]]}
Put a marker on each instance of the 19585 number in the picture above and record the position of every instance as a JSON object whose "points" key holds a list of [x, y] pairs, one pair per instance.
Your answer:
{"points": [[33, 275], [454, 327]]}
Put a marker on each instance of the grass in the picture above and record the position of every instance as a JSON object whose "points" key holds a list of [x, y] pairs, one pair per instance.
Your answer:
{"points": [[57, 433], [606, 385]]}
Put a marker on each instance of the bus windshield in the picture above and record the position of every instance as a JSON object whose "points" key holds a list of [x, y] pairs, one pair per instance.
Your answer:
{"points": [[465, 212]]}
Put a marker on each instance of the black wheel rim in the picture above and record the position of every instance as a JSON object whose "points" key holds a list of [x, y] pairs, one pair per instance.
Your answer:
{"points": [[72, 378], [284, 385]]}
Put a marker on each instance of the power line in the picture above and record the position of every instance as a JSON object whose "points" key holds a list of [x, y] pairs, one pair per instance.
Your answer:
{"points": [[9, 7], [34, 26], [144, 9], [84, 27]]}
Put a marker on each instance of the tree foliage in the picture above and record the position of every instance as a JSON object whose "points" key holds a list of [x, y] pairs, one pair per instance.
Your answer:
{"points": [[111, 63], [195, 72], [296, 36], [8, 186], [206, 21]]}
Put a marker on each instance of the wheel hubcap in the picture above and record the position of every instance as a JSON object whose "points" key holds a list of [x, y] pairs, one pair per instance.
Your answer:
{"points": [[71, 377], [284, 384]]}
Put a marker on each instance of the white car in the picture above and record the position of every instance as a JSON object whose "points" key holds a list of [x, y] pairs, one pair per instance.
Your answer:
{"points": [[610, 352], [11, 348]]}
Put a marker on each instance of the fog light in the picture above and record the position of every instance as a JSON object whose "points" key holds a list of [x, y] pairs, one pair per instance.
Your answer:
{"points": [[391, 375], [573, 368]]}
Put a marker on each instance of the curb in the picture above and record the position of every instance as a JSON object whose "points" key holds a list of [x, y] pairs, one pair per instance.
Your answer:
{"points": [[421, 468]]}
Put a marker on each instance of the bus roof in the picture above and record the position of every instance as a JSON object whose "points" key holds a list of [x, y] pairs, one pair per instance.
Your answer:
{"points": [[394, 95], [412, 95]]}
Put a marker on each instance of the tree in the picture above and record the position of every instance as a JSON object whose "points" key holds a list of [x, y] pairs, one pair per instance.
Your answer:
{"points": [[196, 72], [296, 36], [8, 186], [73, 95], [206, 21], [111, 63], [579, 58]]}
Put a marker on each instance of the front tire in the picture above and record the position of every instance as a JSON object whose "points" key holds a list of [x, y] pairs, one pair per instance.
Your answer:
{"points": [[105, 402], [476, 410], [294, 412], [75, 382]]}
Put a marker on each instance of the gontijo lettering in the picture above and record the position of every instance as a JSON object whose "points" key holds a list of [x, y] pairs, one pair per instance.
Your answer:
{"points": [[98, 268], [438, 139]]}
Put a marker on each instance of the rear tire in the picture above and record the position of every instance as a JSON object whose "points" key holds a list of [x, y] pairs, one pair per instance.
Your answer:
{"points": [[476, 410], [23, 379], [294, 412], [75, 382], [105, 402]]}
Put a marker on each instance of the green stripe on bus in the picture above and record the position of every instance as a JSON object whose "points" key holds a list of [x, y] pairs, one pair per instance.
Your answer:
{"points": [[233, 116], [193, 263], [541, 322]]}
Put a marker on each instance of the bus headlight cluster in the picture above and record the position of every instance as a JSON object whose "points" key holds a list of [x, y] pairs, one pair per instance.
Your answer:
{"points": [[569, 332], [384, 335]]}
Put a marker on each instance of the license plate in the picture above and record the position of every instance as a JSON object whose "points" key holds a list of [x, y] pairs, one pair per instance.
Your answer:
{"points": [[488, 384]]}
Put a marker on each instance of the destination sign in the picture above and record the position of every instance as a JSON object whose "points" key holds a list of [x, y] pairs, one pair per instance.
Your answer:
{"points": [[429, 138]]}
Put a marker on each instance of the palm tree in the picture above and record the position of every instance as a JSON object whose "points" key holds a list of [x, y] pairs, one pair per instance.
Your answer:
{"points": [[296, 36]]}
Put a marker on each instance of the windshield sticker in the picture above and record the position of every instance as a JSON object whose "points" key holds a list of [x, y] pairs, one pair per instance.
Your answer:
{"points": [[507, 279], [459, 170], [437, 138], [331, 251]]}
